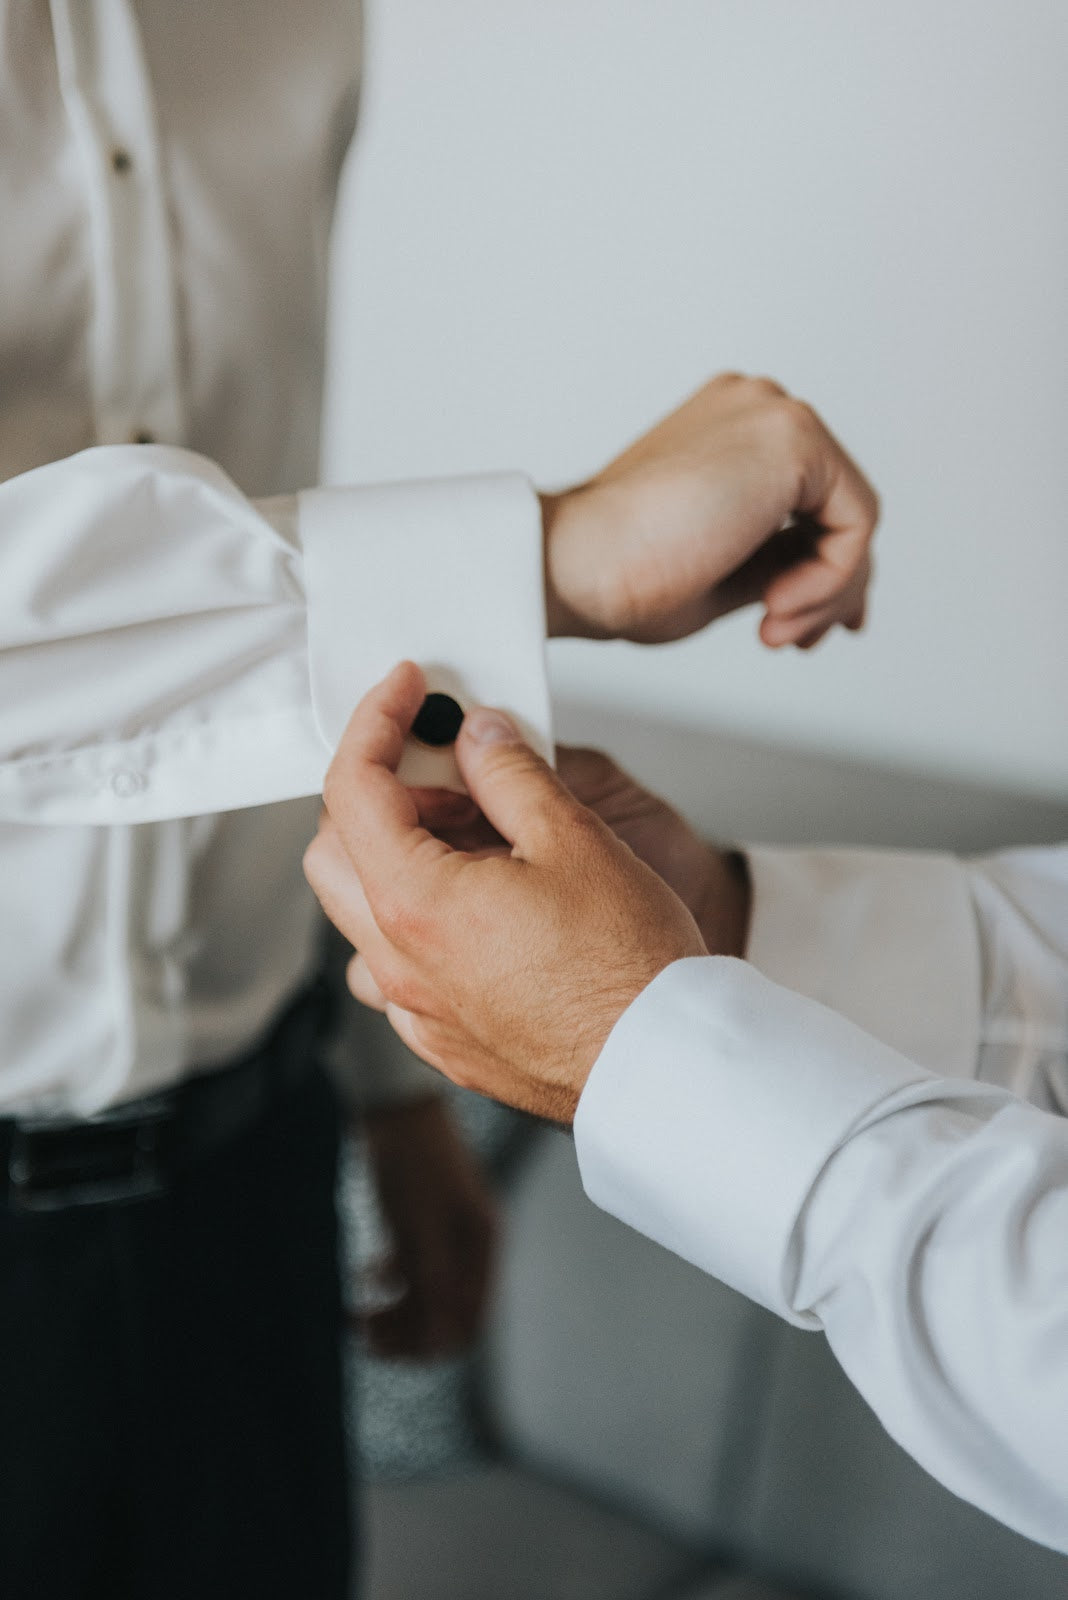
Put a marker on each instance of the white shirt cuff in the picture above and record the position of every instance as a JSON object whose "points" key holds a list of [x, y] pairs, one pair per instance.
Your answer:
{"points": [[711, 1110], [447, 573], [888, 938]]}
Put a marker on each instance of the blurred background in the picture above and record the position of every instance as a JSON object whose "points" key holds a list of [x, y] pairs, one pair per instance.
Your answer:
{"points": [[561, 218]]}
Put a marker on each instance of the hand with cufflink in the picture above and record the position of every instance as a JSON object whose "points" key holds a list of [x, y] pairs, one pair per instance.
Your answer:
{"points": [[504, 947]]}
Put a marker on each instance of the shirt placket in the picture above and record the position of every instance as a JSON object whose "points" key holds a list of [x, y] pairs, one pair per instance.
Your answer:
{"points": [[133, 332]]}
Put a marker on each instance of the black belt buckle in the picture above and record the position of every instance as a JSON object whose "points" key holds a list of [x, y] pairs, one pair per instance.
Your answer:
{"points": [[105, 1160]]}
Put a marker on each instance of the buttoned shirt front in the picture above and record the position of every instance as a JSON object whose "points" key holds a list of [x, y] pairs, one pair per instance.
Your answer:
{"points": [[181, 629]]}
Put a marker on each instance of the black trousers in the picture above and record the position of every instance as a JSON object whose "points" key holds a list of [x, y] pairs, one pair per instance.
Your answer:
{"points": [[171, 1419]]}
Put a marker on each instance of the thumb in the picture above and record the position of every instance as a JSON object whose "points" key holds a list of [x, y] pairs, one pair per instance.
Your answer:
{"points": [[511, 785]]}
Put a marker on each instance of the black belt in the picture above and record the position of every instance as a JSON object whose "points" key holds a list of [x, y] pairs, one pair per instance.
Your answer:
{"points": [[131, 1151]]}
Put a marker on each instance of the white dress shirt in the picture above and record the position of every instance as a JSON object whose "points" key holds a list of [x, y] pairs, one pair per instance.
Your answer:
{"points": [[182, 633], [882, 1185]]}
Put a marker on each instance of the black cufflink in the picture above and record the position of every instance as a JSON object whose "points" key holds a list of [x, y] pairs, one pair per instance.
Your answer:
{"points": [[438, 722]]}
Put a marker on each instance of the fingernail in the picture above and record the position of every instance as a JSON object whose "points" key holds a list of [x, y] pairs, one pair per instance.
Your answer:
{"points": [[490, 727]]}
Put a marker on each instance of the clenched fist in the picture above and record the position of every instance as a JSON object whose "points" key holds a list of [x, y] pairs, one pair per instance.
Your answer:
{"points": [[740, 496]]}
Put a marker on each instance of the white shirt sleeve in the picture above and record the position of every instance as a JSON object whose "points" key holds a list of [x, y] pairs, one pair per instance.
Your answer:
{"points": [[919, 1220], [961, 965], [170, 648]]}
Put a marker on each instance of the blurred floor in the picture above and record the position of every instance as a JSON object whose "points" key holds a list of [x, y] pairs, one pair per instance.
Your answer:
{"points": [[501, 1531], [737, 1588]]}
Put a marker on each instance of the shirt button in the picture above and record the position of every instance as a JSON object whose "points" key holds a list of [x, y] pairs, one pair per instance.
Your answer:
{"points": [[121, 161], [126, 782]]}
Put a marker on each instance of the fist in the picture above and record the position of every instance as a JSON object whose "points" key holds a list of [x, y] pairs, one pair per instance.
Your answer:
{"points": [[742, 495]]}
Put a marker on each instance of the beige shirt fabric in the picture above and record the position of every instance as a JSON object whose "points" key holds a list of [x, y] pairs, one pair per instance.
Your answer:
{"points": [[167, 178]]}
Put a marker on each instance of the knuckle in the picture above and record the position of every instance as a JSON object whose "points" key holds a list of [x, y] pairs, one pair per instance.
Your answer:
{"points": [[767, 388], [799, 417], [782, 420], [312, 861], [868, 511], [510, 758], [401, 920], [402, 990], [396, 983], [806, 416]]}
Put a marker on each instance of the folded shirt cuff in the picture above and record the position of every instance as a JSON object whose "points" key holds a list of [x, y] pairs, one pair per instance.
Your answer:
{"points": [[447, 573], [888, 938], [711, 1110]]}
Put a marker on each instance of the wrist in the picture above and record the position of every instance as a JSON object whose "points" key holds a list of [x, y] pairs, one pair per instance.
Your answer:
{"points": [[563, 619], [558, 618]]}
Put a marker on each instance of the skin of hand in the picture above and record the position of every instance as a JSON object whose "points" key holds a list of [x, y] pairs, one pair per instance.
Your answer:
{"points": [[443, 1228], [713, 884], [740, 496], [506, 972]]}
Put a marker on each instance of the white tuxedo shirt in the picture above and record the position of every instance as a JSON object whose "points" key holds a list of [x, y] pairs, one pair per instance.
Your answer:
{"points": [[865, 1169], [182, 633]]}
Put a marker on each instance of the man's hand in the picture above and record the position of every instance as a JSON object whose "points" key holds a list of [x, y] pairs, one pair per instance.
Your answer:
{"points": [[506, 973], [712, 884], [741, 495], [442, 1223]]}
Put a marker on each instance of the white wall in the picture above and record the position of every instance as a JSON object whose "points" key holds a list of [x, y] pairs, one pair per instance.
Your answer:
{"points": [[564, 214]]}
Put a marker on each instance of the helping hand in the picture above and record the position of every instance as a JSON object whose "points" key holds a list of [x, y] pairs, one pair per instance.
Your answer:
{"points": [[712, 884], [740, 495], [505, 973]]}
